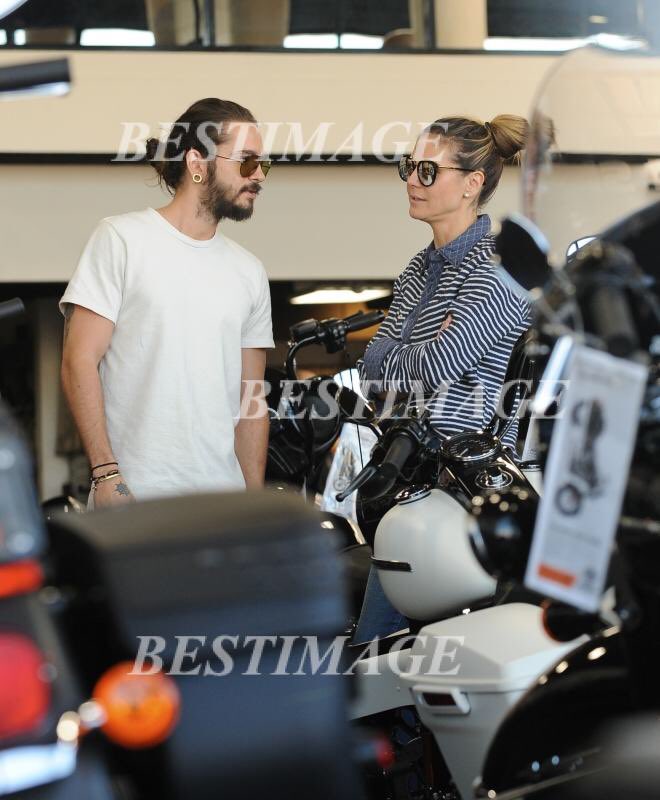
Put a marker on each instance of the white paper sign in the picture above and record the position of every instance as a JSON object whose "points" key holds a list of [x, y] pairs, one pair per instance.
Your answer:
{"points": [[585, 478]]}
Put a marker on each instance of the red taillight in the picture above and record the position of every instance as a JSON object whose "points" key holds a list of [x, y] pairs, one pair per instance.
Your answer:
{"points": [[385, 757], [24, 689], [20, 577]]}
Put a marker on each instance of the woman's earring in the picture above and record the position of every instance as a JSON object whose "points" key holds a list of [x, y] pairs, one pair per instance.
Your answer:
{"points": [[466, 195], [197, 177]]}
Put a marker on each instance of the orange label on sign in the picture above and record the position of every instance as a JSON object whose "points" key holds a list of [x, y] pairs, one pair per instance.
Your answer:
{"points": [[556, 575]]}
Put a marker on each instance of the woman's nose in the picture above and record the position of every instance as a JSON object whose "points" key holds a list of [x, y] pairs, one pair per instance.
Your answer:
{"points": [[413, 179]]}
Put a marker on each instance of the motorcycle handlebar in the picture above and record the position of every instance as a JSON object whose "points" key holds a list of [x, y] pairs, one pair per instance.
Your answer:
{"points": [[390, 467], [612, 320], [11, 308], [362, 321]]}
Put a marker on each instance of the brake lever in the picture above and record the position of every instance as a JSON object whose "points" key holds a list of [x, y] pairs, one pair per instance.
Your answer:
{"points": [[359, 480]]}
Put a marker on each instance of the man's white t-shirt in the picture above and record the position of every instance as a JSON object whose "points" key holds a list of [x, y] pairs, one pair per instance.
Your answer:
{"points": [[171, 378]]}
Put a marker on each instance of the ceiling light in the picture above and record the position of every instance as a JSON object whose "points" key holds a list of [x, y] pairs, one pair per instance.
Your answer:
{"points": [[312, 41], [356, 41], [598, 19], [7, 6], [116, 37], [340, 295]]}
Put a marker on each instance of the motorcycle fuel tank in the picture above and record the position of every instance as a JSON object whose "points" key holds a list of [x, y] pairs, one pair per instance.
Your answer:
{"points": [[424, 559]]}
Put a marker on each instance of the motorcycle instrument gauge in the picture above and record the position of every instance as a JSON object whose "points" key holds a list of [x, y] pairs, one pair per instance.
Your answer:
{"points": [[471, 447]]}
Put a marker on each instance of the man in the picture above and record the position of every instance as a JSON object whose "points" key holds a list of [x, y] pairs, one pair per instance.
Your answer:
{"points": [[167, 321]]}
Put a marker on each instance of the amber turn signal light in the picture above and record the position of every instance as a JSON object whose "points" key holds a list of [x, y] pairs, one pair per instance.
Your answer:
{"points": [[141, 708]]}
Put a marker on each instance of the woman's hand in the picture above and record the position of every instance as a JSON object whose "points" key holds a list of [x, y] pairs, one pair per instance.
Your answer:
{"points": [[113, 492]]}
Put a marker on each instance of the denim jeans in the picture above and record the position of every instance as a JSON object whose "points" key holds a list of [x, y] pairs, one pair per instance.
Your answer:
{"points": [[378, 616]]}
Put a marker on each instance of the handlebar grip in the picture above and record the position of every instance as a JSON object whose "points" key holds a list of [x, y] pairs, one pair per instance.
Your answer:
{"points": [[303, 330], [612, 320], [358, 323], [11, 308], [390, 467]]}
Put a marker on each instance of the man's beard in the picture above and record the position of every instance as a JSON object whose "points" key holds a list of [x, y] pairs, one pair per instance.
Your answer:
{"points": [[219, 203]]}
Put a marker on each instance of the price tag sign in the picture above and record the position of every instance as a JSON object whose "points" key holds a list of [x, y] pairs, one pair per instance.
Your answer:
{"points": [[585, 478]]}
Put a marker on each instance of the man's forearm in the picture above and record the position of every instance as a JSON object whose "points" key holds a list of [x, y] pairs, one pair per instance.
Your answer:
{"points": [[82, 389], [251, 447]]}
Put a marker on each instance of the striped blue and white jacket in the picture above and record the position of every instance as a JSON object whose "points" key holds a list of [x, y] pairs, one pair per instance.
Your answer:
{"points": [[450, 332]]}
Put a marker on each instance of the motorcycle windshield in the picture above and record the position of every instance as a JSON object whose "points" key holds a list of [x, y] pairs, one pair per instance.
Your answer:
{"points": [[595, 135]]}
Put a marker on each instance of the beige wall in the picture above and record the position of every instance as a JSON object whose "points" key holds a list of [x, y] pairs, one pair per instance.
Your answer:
{"points": [[311, 222], [353, 94], [319, 221], [344, 89]]}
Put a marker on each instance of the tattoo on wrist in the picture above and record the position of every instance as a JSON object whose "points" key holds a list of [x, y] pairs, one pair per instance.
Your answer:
{"points": [[122, 489]]}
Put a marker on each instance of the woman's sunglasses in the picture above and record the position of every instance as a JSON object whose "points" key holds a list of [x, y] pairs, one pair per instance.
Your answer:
{"points": [[427, 171], [249, 164]]}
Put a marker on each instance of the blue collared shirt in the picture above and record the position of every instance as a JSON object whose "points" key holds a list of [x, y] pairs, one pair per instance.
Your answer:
{"points": [[435, 259], [451, 328]]}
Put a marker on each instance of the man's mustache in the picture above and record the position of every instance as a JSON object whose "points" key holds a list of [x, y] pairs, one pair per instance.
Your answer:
{"points": [[253, 187]]}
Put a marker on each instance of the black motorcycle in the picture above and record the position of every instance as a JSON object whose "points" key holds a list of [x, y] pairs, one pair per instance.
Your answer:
{"points": [[40, 692], [306, 416], [556, 742]]}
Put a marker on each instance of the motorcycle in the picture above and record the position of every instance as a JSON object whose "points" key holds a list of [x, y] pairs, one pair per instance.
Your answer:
{"points": [[306, 417], [604, 300], [86, 711], [41, 700], [429, 573]]}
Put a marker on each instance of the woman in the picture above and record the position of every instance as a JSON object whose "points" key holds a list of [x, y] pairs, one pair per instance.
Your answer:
{"points": [[452, 324]]}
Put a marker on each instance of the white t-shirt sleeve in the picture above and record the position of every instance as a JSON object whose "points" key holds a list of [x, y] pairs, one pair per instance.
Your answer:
{"points": [[98, 281], [258, 330]]}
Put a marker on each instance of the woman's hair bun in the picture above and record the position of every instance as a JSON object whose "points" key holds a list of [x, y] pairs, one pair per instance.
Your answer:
{"points": [[510, 135], [151, 148]]}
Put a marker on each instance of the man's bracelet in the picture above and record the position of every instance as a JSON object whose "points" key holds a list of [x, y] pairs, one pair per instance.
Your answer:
{"points": [[107, 464], [107, 477]]}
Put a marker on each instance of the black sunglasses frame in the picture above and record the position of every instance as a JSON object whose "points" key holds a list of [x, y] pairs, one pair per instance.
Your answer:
{"points": [[407, 166]]}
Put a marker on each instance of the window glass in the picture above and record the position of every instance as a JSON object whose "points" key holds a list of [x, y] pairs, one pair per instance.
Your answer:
{"points": [[316, 24], [327, 24], [563, 24]]}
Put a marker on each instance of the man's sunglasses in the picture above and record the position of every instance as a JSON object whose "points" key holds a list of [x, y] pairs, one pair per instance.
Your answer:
{"points": [[249, 164], [427, 171]]}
